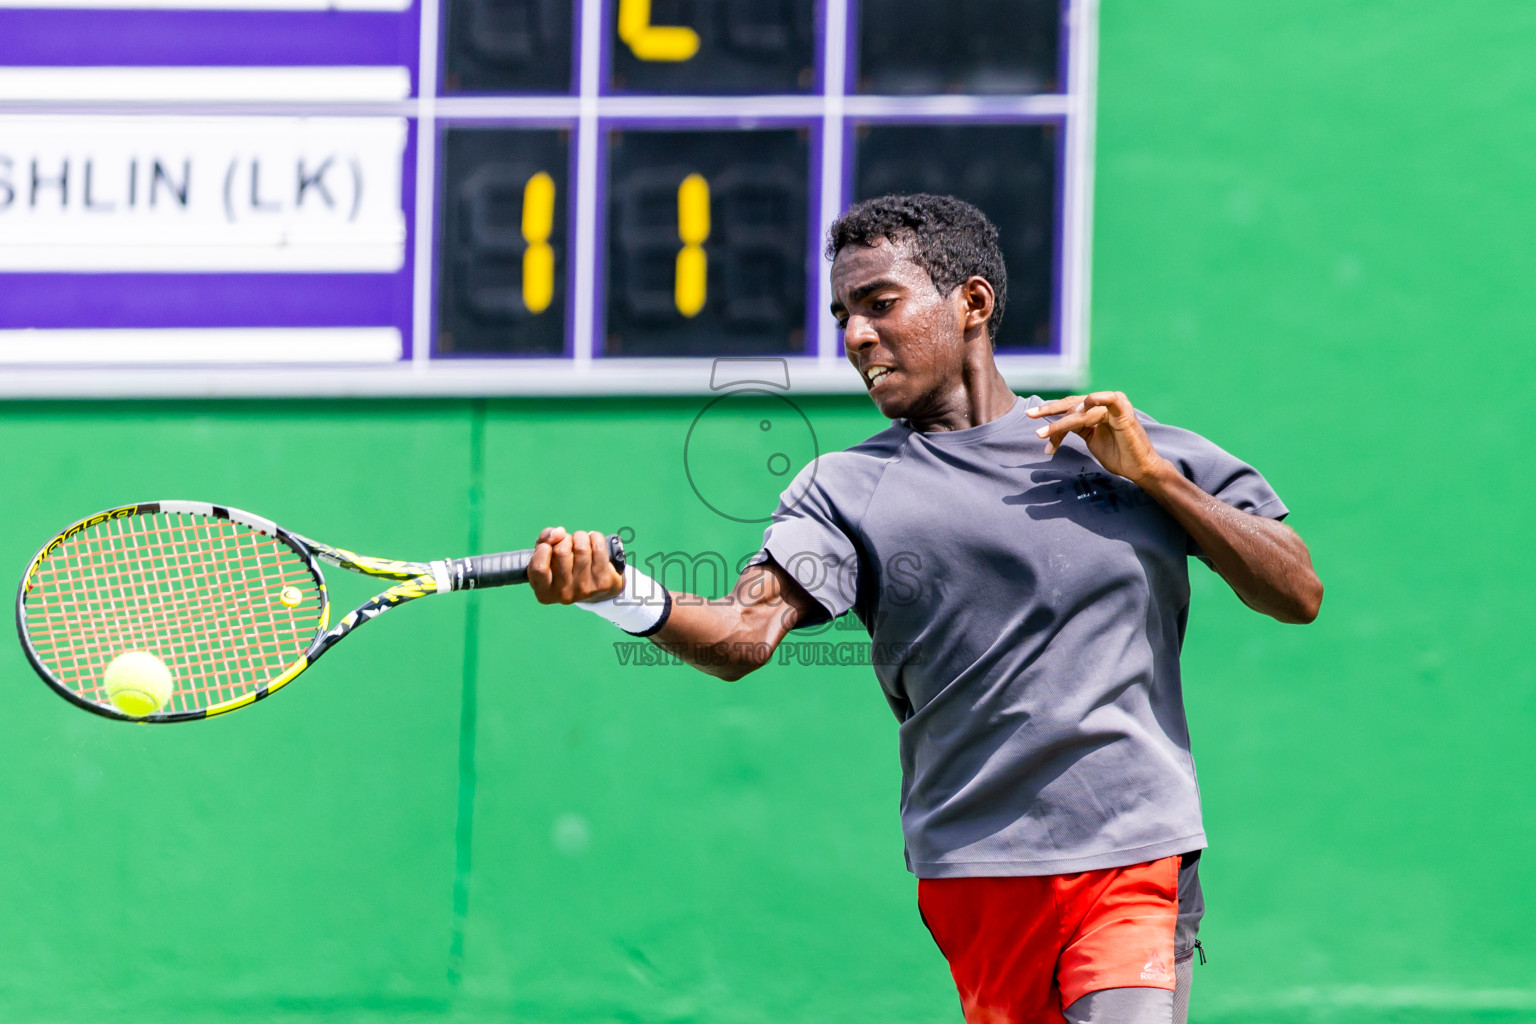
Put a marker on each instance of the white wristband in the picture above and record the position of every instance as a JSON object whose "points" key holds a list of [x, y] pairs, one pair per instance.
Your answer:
{"points": [[640, 609]]}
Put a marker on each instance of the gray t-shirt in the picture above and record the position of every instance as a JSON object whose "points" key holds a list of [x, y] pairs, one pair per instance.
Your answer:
{"points": [[1026, 614]]}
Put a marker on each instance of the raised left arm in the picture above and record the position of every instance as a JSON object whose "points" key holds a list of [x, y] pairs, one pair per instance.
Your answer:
{"points": [[1264, 561]]}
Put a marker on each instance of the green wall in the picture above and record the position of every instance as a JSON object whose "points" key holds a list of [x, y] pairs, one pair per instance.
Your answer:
{"points": [[1311, 245]]}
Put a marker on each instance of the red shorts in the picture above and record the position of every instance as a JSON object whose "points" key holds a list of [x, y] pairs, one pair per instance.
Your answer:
{"points": [[1022, 948]]}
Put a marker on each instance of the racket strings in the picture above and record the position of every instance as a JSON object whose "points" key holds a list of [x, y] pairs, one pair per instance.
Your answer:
{"points": [[165, 593], [202, 594]]}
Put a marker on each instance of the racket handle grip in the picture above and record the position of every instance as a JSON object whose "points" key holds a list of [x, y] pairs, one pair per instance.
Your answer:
{"points": [[508, 567]]}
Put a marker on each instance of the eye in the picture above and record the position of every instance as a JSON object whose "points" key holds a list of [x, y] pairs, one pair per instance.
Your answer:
{"points": [[881, 305], [842, 323]]}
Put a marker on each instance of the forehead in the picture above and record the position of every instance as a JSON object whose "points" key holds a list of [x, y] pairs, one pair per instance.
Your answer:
{"points": [[857, 265]]}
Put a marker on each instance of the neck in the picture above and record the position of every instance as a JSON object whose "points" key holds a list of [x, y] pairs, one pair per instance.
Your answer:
{"points": [[977, 394]]}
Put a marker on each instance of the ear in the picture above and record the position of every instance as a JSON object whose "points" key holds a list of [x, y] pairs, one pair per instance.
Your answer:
{"points": [[977, 295]]}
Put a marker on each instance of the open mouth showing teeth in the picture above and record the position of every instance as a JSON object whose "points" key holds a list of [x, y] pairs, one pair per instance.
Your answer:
{"points": [[875, 375]]}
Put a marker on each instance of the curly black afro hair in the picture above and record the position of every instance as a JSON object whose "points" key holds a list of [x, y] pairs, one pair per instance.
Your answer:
{"points": [[947, 237]]}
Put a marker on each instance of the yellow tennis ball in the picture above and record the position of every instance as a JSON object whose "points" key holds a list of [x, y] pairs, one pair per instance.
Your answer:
{"points": [[138, 683]]}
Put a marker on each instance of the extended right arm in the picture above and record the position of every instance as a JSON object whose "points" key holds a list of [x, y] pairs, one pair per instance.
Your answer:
{"points": [[726, 637]]}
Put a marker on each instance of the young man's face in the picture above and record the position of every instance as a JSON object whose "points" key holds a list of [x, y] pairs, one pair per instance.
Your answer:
{"points": [[905, 339]]}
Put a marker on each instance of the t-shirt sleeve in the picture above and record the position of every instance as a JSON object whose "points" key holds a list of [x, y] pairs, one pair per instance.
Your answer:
{"points": [[1216, 472], [811, 540]]}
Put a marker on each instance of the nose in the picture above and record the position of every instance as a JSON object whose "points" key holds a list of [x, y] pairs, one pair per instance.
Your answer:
{"points": [[859, 334]]}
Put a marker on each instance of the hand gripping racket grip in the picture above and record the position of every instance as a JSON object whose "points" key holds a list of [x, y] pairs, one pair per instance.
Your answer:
{"points": [[508, 567]]}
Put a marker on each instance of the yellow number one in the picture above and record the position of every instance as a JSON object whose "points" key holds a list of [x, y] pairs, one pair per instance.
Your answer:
{"points": [[654, 42], [693, 229], [538, 258]]}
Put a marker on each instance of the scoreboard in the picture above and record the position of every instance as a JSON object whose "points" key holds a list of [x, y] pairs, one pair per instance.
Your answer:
{"points": [[482, 197]]}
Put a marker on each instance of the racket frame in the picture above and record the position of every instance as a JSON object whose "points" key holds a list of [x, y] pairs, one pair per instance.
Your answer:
{"points": [[417, 579]]}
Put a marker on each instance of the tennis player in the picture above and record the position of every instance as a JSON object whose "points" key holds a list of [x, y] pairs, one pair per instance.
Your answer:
{"points": [[1022, 568]]}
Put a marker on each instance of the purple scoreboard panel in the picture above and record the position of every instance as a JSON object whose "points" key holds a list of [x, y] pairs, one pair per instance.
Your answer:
{"points": [[481, 197]]}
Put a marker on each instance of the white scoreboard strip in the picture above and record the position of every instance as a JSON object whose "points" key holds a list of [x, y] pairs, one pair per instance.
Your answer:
{"points": [[93, 194], [213, 5]]}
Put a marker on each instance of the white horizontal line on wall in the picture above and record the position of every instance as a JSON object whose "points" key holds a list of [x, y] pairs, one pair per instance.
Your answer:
{"points": [[748, 107], [1380, 997], [366, 95], [204, 85], [437, 378], [106, 347], [383, 255], [213, 5]]}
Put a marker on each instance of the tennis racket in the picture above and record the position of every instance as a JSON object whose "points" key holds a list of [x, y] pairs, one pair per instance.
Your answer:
{"points": [[233, 605]]}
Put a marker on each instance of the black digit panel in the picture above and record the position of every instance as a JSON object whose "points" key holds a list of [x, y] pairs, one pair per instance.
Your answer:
{"points": [[508, 46], [701, 47], [706, 242], [1009, 171], [958, 46], [501, 271]]}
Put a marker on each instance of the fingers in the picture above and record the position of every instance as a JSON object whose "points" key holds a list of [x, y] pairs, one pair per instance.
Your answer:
{"points": [[581, 560], [1057, 406], [561, 556], [541, 573], [1080, 414], [570, 567], [604, 577], [1114, 400], [1077, 422]]}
